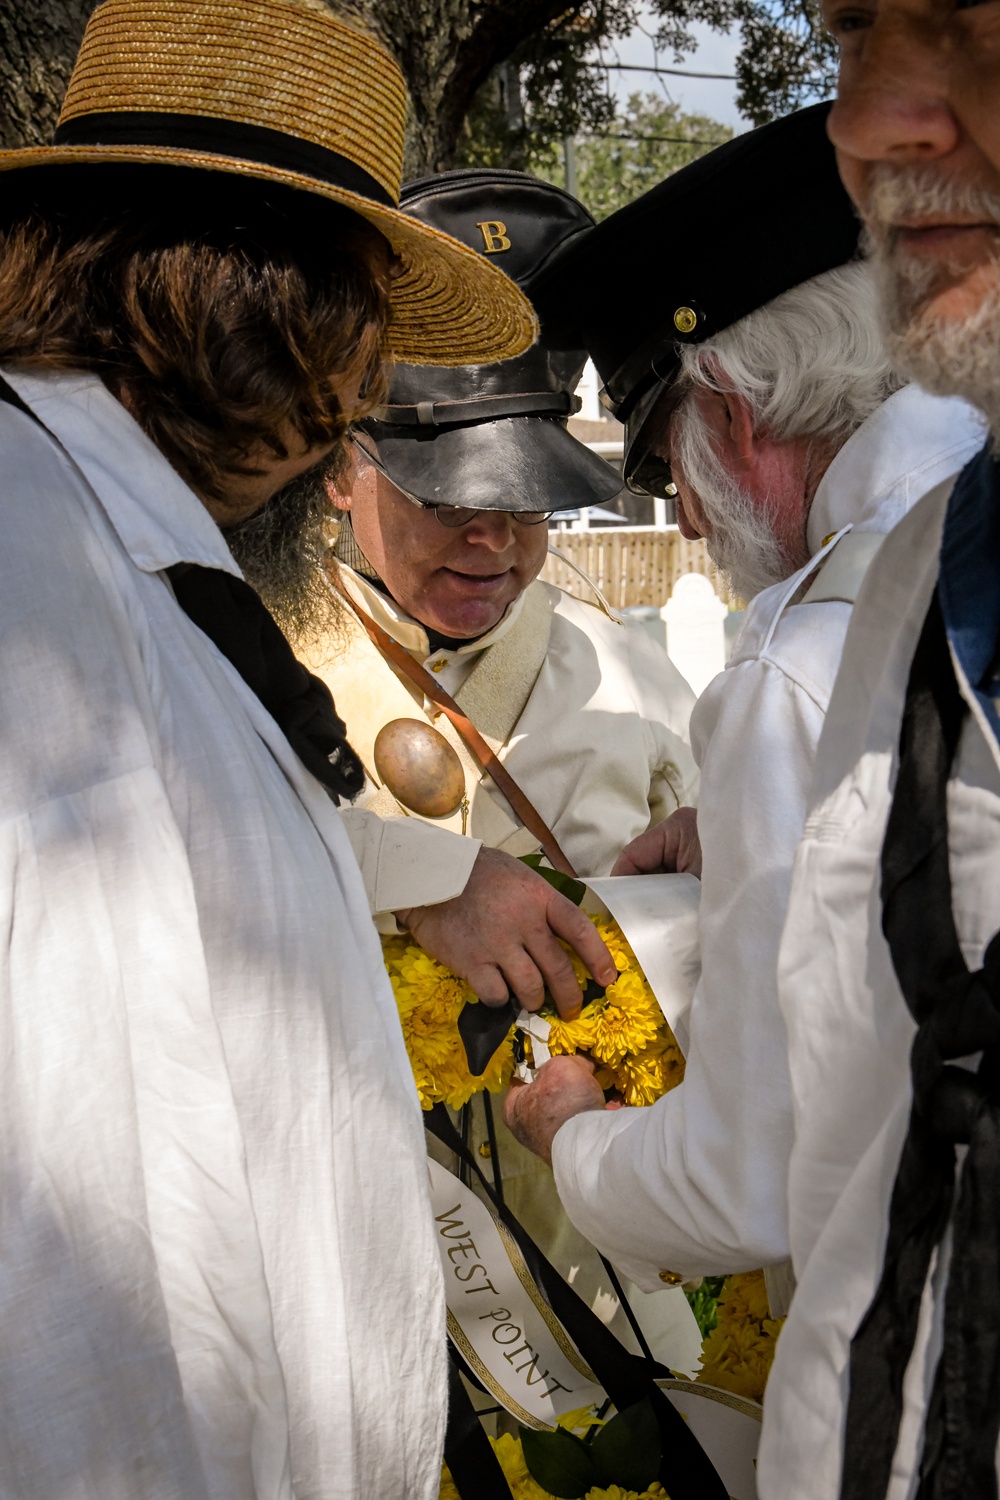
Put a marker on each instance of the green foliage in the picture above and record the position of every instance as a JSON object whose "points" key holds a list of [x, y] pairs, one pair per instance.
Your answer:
{"points": [[553, 83], [559, 1461], [787, 59], [574, 890], [637, 148], [646, 142], [625, 1451], [548, 88], [704, 1302]]}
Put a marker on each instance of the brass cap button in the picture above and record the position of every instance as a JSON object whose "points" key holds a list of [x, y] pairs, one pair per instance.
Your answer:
{"points": [[671, 1278], [485, 1150], [685, 320]]}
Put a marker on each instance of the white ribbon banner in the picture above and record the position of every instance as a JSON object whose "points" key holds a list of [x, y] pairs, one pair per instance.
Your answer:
{"points": [[726, 1426], [509, 1337], [497, 1318]]}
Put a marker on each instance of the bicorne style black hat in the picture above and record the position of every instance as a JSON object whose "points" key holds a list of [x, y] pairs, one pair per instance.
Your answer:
{"points": [[494, 436], [712, 243]]}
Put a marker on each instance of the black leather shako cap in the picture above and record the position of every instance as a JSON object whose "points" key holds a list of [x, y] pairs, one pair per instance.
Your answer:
{"points": [[715, 241], [494, 436]]}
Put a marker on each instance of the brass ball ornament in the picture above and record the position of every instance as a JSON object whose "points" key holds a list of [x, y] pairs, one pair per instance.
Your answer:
{"points": [[420, 768]]}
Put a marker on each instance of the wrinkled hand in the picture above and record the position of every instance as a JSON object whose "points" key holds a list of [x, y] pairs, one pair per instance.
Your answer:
{"points": [[563, 1087], [671, 847], [501, 935]]}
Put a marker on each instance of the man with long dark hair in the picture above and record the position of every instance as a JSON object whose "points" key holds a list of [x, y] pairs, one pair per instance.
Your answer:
{"points": [[211, 1137]]}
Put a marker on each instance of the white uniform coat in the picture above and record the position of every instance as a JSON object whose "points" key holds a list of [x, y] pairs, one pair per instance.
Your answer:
{"points": [[849, 1031], [210, 1132], [696, 1184], [590, 717]]}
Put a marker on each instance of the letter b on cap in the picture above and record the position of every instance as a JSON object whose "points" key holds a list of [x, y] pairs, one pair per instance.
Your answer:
{"points": [[494, 236]]}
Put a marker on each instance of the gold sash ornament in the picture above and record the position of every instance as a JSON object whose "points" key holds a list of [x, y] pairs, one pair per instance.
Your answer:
{"points": [[485, 757]]}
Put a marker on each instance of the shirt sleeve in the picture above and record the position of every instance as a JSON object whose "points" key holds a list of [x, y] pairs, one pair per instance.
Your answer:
{"points": [[405, 862], [696, 1183], [666, 702]]}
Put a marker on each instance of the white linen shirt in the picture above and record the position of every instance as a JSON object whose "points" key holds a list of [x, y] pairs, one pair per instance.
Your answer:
{"points": [[211, 1138], [849, 1030], [696, 1184]]}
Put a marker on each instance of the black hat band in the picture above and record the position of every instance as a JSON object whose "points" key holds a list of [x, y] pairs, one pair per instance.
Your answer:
{"points": [[478, 409], [232, 138]]}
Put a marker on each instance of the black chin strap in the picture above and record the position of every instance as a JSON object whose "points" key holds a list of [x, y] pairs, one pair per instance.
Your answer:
{"points": [[958, 1015]]}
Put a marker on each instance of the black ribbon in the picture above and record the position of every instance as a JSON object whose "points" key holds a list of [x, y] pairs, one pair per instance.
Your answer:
{"points": [[234, 616], [473, 1465], [217, 137], [957, 1014], [686, 1471], [483, 1028], [477, 409]]}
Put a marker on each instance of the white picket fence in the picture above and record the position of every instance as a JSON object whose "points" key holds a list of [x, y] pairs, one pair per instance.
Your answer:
{"points": [[668, 582]]}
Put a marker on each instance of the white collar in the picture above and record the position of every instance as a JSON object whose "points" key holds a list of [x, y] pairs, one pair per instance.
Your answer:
{"points": [[875, 477], [410, 633], [159, 519]]}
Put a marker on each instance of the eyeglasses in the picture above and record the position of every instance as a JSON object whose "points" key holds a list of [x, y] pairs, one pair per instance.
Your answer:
{"points": [[452, 516]]}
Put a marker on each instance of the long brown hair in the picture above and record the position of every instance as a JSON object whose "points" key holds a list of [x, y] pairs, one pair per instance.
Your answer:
{"points": [[217, 309]]}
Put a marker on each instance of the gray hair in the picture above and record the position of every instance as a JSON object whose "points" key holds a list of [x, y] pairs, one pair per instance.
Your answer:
{"points": [[812, 363]]}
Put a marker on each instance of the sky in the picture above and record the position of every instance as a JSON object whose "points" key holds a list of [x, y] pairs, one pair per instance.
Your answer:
{"points": [[714, 54]]}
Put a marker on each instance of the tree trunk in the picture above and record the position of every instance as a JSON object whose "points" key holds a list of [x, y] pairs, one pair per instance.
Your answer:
{"points": [[447, 49], [38, 42]]}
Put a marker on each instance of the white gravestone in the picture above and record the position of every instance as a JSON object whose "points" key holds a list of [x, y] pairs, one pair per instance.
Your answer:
{"points": [[696, 638]]}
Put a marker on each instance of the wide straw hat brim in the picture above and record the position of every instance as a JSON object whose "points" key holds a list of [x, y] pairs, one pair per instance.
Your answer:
{"points": [[449, 305], [284, 92]]}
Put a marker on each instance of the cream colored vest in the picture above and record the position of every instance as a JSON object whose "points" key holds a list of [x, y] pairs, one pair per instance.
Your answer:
{"points": [[369, 694]]}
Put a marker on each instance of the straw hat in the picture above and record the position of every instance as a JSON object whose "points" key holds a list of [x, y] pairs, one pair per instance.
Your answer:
{"points": [[282, 91]]}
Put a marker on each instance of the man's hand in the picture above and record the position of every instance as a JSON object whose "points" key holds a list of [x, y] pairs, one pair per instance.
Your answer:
{"points": [[563, 1087], [672, 847], [501, 935]]}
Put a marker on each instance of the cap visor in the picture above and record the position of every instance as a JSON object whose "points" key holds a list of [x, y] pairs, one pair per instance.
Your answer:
{"points": [[517, 464], [450, 305], [645, 425]]}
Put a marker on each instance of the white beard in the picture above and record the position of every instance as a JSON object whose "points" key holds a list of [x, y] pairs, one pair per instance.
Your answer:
{"points": [[742, 541], [947, 357]]}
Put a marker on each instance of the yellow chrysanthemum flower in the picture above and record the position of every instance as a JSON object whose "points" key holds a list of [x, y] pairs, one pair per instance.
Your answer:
{"points": [[567, 1037], [737, 1355], [627, 1022], [646, 1076], [655, 1492], [448, 1490], [508, 1451], [523, 1487], [430, 999], [624, 1031]]}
